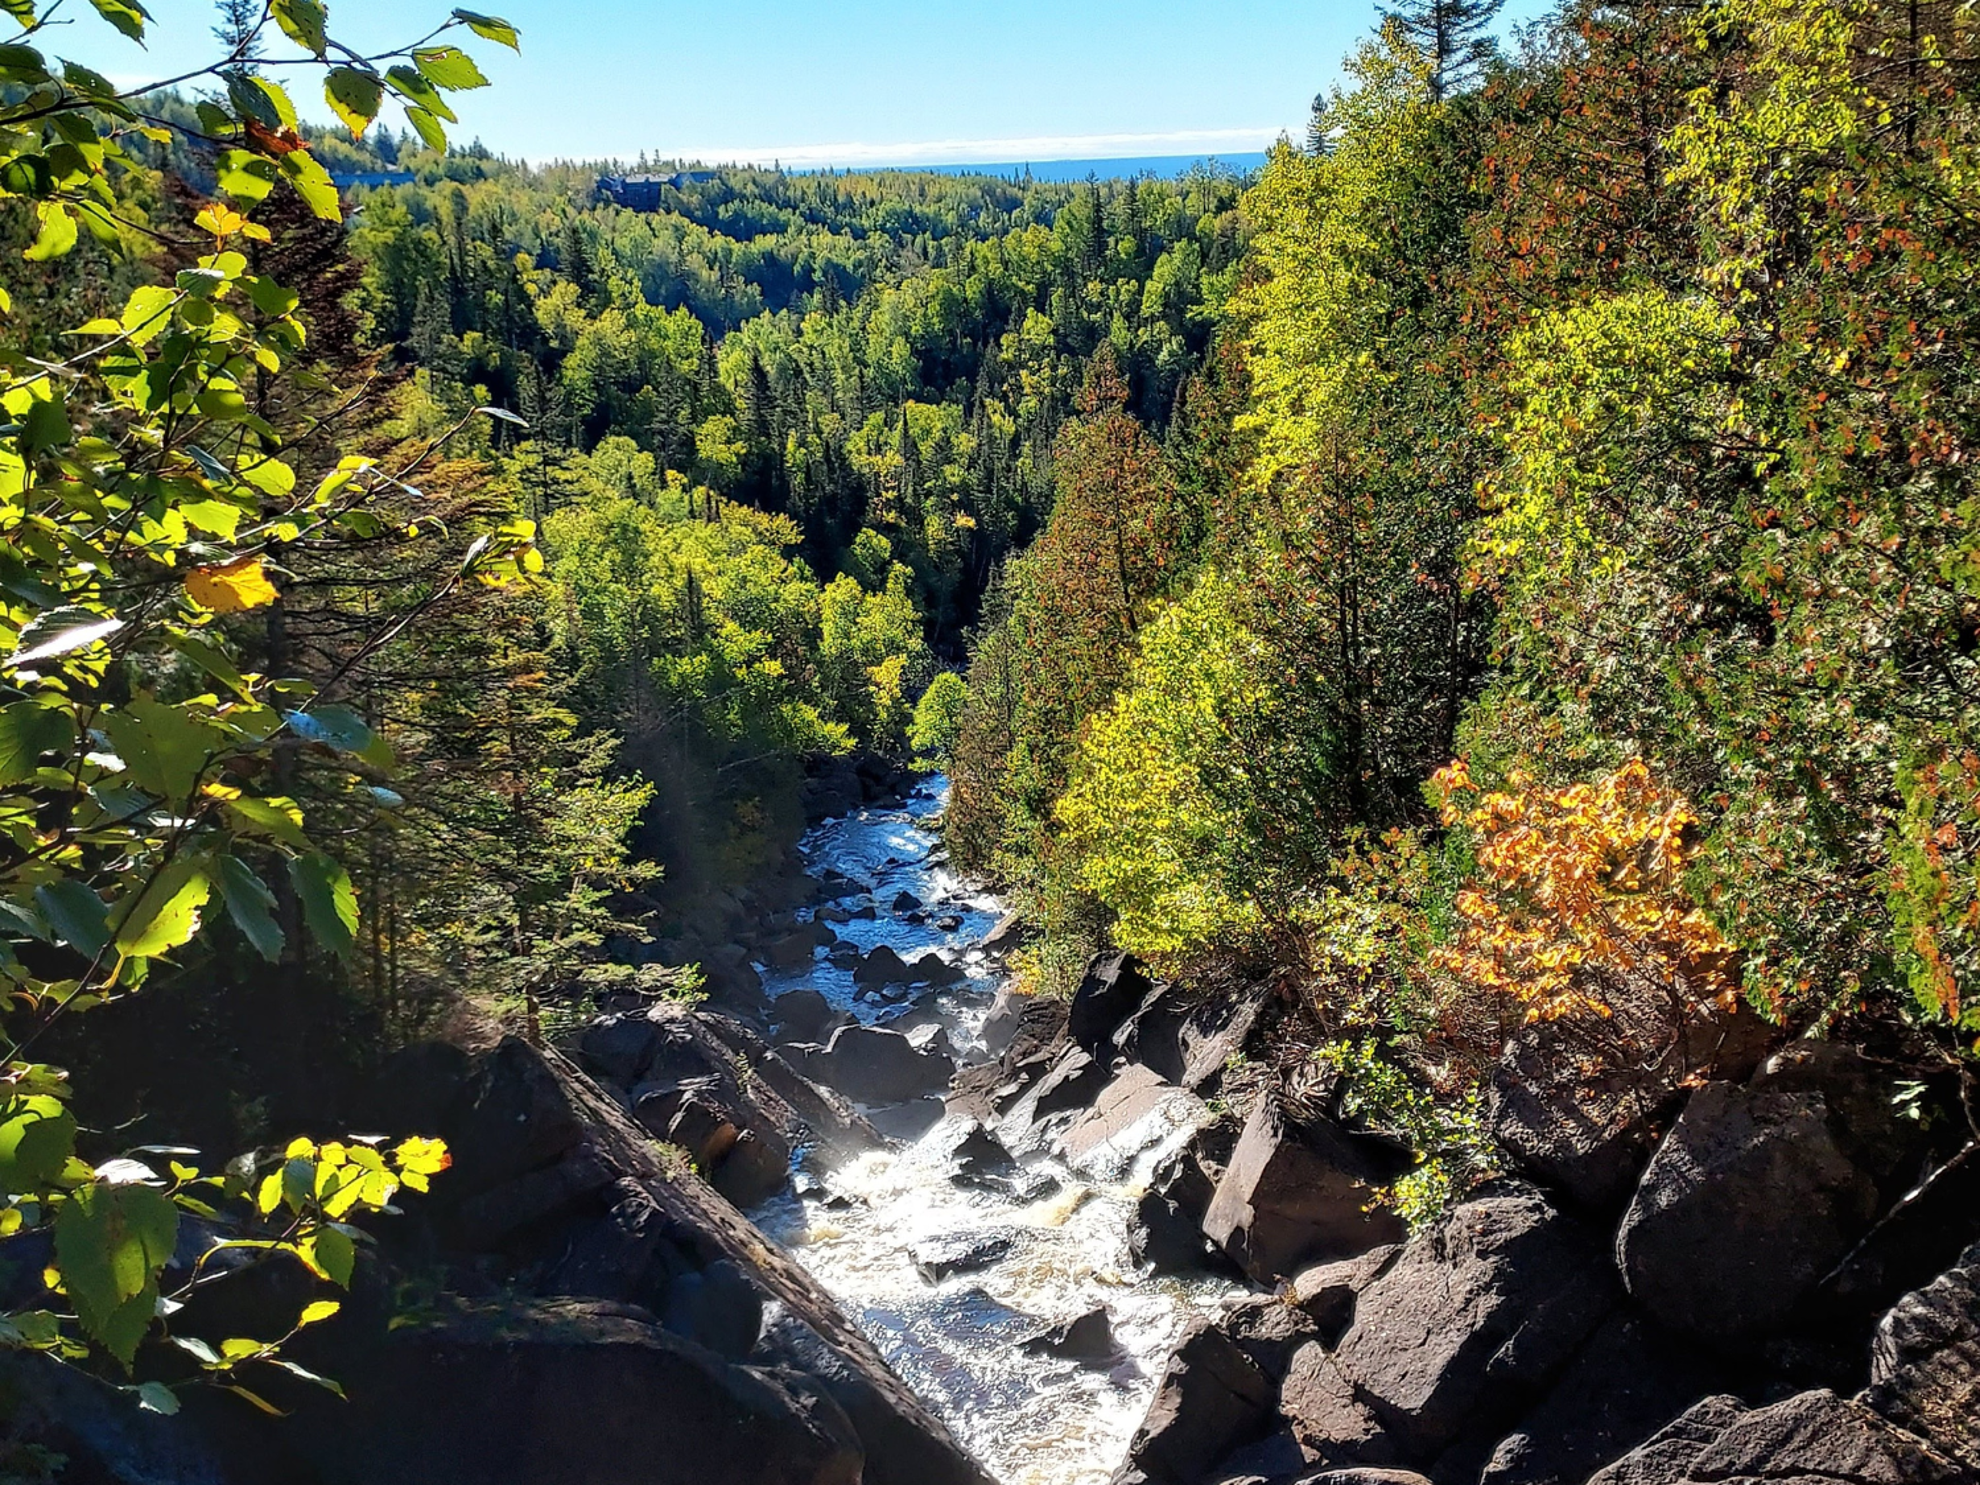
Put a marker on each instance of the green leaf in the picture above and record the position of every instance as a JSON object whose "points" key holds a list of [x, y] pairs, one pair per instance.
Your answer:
{"points": [[449, 67], [156, 1397], [354, 96], [215, 517], [148, 313], [335, 1254], [210, 657], [46, 425], [37, 1141], [111, 1243], [255, 97], [251, 905], [26, 732], [23, 64], [58, 233], [126, 15], [79, 917], [164, 748], [303, 22], [342, 730], [244, 176], [329, 900], [166, 913], [489, 28], [272, 299], [61, 631], [272, 817], [313, 184], [428, 128], [414, 88]]}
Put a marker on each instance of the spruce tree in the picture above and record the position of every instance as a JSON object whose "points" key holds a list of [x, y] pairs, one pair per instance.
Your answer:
{"points": [[1454, 34], [239, 29]]}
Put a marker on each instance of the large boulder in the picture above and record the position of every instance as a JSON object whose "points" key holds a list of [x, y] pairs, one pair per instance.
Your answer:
{"points": [[1328, 1292], [571, 1391], [513, 1117], [796, 948], [1585, 1137], [1070, 1084], [1167, 1232], [874, 1065], [1470, 1324], [989, 1090], [1813, 1438], [1113, 985], [1925, 1362], [882, 966], [1620, 1388], [803, 1015], [1189, 1038], [1293, 1196], [1132, 1113], [1212, 1400], [1759, 1191]]}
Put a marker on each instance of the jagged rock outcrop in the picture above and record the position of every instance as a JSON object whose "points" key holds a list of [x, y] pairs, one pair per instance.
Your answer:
{"points": [[1212, 1399], [875, 1065], [1295, 1195], [1760, 1190], [1471, 1322], [1925, 1362], [1811, 1437]]}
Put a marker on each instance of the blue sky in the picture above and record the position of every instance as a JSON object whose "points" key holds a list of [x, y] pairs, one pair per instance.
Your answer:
{"points": [[858, 81]]}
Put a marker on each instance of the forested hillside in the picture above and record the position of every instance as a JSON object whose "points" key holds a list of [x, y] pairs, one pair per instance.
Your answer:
{"points": [[1584, 628]]}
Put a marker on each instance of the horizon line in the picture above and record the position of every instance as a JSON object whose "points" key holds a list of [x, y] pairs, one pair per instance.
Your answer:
{"points": [[1036, 149]]}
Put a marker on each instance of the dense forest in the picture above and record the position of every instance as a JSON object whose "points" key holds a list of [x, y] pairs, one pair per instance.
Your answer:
{"points": [[1513, 561]]}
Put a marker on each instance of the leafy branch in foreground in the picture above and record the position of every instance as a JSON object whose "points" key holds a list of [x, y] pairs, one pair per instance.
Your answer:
{"points": [[143, 500]]}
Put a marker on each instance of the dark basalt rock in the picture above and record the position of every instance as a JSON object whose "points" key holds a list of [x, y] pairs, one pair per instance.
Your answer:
{"points": [[1114, 984], [1925, 1362], [1291, 1197], [803, 1016], [981, 1157], [1168, 1225], [962, 1253], [874, 1065], [1212, 1401], [569, 1391], [1621, 1387], [1813, 1437], [1090, 1339], [1328, 1292], [1470, 1324], [1759, 1191]]}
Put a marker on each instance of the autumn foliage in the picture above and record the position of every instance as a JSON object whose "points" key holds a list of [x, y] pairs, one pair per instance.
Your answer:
{"points": [[1580, 897]]}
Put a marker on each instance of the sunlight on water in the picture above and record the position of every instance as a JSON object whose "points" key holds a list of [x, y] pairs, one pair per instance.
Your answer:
{"points": [[1032, 1419]]}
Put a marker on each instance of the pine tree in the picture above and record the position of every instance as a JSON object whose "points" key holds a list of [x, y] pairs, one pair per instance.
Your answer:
{"points": [[239, 31], [1454, 34]]}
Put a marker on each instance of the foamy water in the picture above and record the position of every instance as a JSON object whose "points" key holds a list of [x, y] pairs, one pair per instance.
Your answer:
{"points": [[1031, 1419]]}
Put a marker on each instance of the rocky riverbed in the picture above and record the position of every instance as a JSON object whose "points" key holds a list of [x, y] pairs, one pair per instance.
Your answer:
{"points": [[966, 1263], [866, 1217]]}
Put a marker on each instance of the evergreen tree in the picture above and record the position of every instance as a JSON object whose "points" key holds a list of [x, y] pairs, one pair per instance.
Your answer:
{"points": [[239, 31], [1454, 34]]}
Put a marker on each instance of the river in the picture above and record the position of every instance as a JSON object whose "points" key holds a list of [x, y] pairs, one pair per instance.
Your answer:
{"points": [[1031, 1419]]}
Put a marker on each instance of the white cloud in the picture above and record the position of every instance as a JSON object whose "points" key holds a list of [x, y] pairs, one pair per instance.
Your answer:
{"points": [[1034, 149]]}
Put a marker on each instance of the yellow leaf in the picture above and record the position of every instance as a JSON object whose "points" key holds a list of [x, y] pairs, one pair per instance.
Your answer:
{"points": [[232, 587]]}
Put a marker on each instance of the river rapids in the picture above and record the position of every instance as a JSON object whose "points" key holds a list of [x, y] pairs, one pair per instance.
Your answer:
{"points": [[1031, 1419]]}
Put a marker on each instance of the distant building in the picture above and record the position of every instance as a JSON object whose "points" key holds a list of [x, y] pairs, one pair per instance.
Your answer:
{"points": [[642, 192], [345, 182]]}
